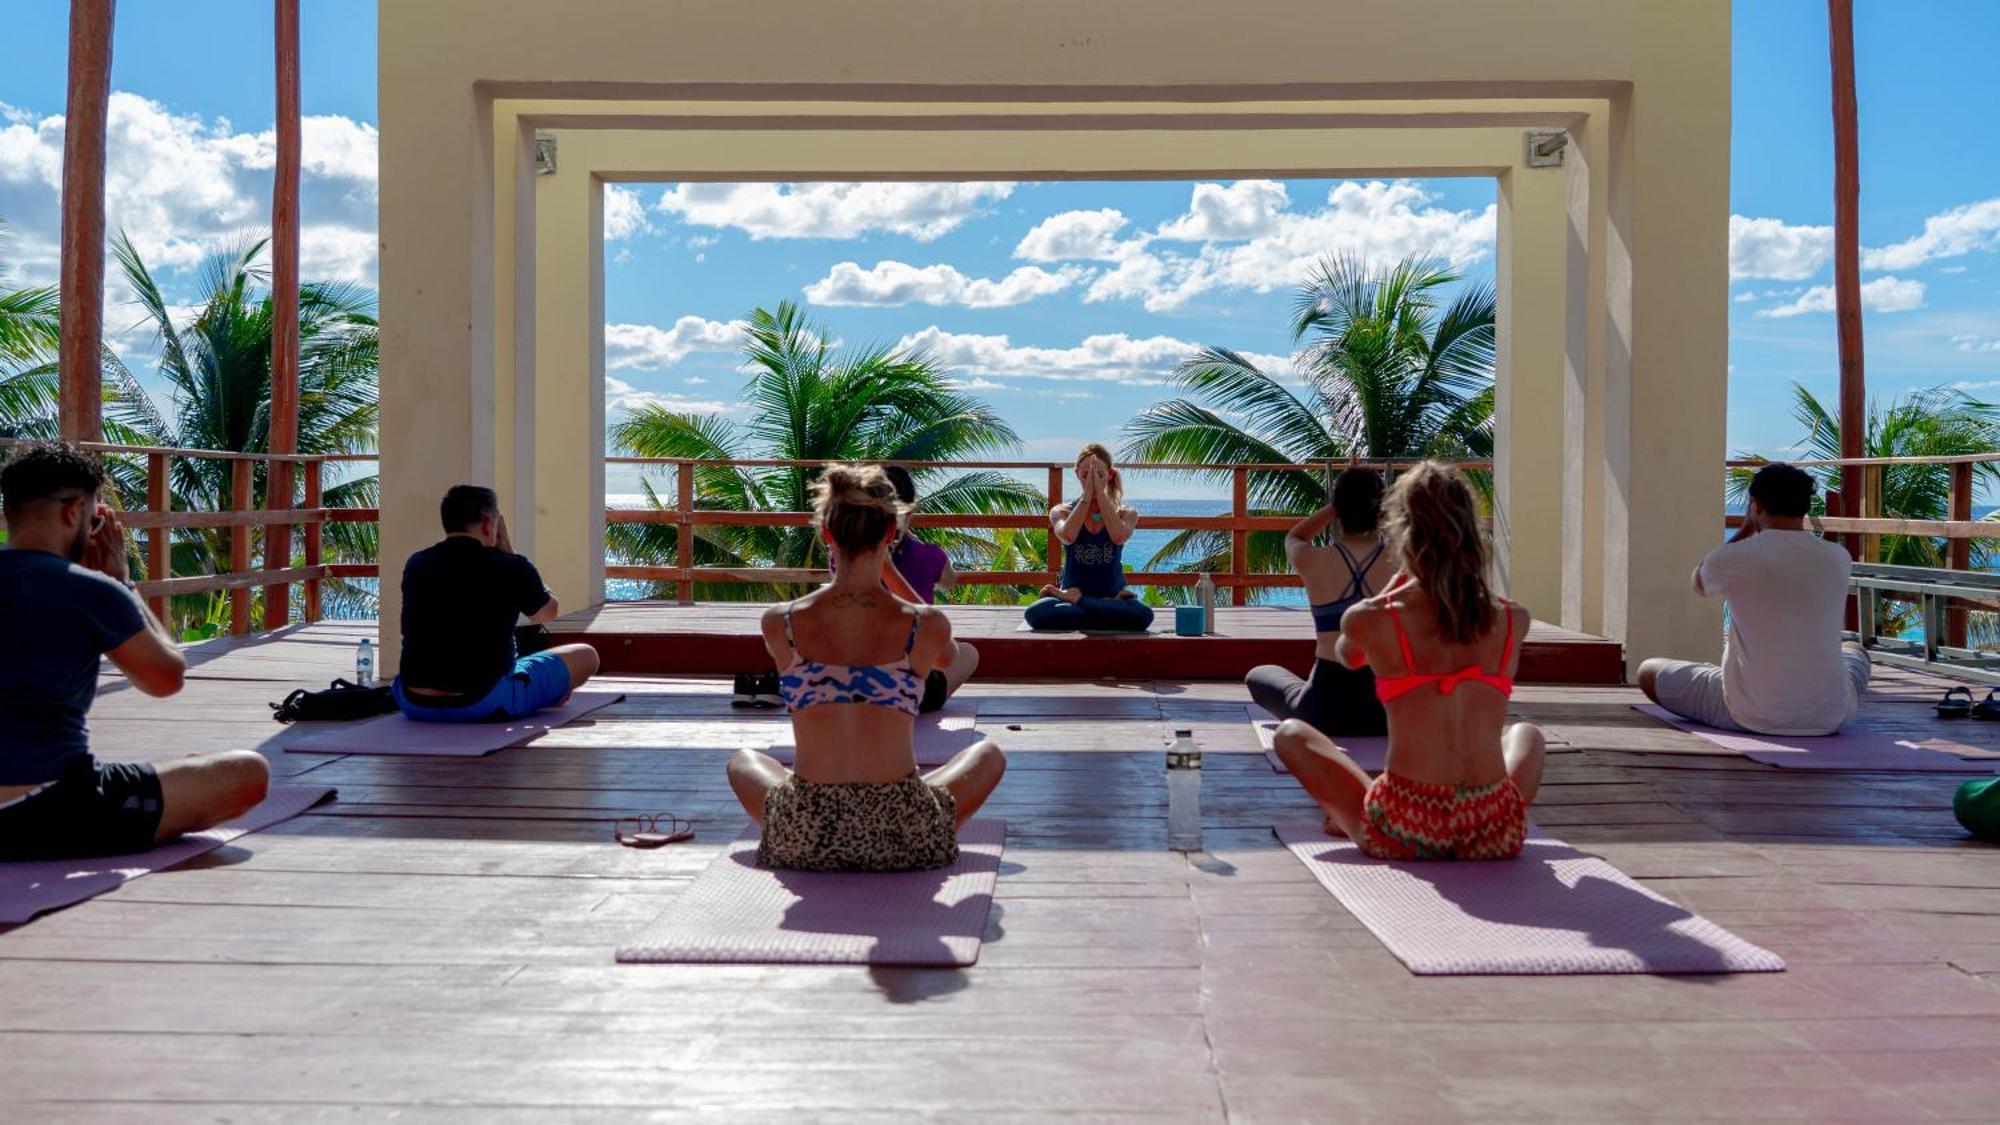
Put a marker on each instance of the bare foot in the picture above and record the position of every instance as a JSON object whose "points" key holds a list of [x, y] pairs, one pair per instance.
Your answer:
{"points": [[1050, 590], [1128, 593], [1072, 596], [1333, 829]]}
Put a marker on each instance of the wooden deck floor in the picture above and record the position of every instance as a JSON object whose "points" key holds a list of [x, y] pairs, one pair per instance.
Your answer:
{"points": [[437, 944], [712, 637]]}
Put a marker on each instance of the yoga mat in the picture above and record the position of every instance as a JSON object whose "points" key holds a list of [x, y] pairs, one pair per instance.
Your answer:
{"points": [[1849, 749], [1370, 753], [31, 887], [1552, 910], [739, 913], [394, 734], [935, 743], [1132, 705], [1024, 627]]}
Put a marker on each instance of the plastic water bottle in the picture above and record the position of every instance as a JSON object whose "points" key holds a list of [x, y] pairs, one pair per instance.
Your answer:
{"points": [[1184, 793], [364, 663], [1204, 592]]}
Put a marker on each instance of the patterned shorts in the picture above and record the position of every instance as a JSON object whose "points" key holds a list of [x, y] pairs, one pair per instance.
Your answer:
{"points": [[902, 825], [1406, 819]]}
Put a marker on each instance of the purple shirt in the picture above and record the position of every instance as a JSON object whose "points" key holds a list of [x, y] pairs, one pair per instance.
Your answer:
{"points": [[921, 564]]}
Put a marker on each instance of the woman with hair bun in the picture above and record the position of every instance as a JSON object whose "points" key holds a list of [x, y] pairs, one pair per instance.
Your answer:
{"points": [[853, 660], [1092, 594], [1444, 648], [1333, 699]]}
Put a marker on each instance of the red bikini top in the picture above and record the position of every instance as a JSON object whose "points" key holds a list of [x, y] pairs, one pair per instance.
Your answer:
{"points": [[1394, 687]]}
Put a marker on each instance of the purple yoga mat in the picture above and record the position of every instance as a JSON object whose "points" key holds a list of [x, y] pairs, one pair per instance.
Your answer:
{"points": [[935, 743], [1854, 748], [739, 913], [1370, 753], [1552, 910], [394, 734], [32, 887]]}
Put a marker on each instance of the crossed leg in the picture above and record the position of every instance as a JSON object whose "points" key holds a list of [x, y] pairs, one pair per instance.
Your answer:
{"points": [[204, 790], [1338, 785]]}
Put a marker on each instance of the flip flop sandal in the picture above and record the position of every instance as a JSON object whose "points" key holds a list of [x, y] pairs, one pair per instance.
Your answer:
{"points": [[655, 831], [1954, 708], [1988, 709]]}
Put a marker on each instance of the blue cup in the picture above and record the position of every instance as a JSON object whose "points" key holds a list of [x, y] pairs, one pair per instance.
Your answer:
{"points": [[1188, 620]]}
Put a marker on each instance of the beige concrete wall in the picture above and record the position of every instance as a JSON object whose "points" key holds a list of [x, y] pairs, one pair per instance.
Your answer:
{"points": [[1662, 68]]}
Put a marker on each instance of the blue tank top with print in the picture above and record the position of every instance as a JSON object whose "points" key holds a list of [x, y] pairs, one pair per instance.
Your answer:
{"points": [[1094, 564]]}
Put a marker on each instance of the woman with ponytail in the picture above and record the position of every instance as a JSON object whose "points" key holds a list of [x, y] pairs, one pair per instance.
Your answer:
{"points": [[853, 660], [1092, 594], [1444, 648]]}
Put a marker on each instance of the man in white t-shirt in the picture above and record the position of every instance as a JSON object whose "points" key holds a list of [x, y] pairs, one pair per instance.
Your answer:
{"points": [[1784, 669]]}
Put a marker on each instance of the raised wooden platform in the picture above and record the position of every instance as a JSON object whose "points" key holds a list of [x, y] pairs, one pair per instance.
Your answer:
{"points": [[716, 638], [436, 945]]}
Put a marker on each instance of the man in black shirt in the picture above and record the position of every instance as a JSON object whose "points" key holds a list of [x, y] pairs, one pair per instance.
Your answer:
{"points": [[66, 599], [460, 600]]}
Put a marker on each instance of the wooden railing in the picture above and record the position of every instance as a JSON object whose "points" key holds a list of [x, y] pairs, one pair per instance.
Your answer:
{"points": [[158, 520], [1239, 522]]}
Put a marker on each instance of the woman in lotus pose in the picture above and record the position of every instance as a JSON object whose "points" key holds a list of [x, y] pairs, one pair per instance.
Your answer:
{"points": [[853, 661], [1093, 594], [1335, 699], [1458, 780]]}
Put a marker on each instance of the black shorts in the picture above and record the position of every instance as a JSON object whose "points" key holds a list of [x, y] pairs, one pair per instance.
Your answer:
{"points": [[95, 808], [937, 689]]}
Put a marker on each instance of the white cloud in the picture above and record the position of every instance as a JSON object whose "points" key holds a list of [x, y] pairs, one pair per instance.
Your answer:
{"points": [[1968, 342], [1772, 248], [891, 283], [1110, 357], [1244, 209], [624, 213], [1742, 298], [648, 346], [178, 184], [1378, 221], [977, 384], [1073, 236], [1883, 295], [1961, 230], [621, 397], [842, 210], [694, 380]]}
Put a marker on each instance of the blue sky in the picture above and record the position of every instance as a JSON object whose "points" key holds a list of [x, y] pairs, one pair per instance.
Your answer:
{"points": [[1065, 315]]}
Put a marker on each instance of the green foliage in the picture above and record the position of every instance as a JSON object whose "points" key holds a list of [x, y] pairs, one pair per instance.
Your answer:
{"points": [[807, 401], [1385, 373]]}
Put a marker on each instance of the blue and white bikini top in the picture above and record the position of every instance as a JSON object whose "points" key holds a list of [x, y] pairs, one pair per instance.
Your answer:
{"points": [[1327, 615], [808, 683]]}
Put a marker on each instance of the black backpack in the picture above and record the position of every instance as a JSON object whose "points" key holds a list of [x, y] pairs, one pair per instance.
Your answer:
{"points": [[343, 702]]}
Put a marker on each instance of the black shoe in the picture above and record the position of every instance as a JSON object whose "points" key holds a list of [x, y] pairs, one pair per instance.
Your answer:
{"points": [[744, 692], [766, 691]]}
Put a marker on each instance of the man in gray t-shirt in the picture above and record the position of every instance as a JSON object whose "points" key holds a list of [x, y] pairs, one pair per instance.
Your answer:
{"points": [[66, 600], [1784, 670]]}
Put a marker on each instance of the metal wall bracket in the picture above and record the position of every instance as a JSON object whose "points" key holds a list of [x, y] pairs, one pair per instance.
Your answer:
{"points": [[545, 156], [1543, 148]]}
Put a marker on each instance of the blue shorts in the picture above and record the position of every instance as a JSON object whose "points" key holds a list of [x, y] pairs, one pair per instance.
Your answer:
{"points": [[538, 680]]}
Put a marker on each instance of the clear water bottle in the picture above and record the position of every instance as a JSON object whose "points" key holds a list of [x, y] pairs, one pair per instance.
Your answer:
{"points": [[1184, 793], [1204, 592], [364, 663]]}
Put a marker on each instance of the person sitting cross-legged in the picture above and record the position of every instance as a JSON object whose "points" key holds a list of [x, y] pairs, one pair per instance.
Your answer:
{"points": [[460, 600], [66, 599], [1784, 669]]}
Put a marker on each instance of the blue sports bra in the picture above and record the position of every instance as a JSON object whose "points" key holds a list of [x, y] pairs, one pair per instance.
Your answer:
{"points": [[1327, 615], [808, 683]]}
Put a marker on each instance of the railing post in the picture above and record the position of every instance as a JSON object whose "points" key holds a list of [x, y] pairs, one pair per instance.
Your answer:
{"points": [[1871, 508], [159, 540], [1239, 538], [314, 500], [239, 543], [277, 544], [1055, 543], [1958, 552], [684, 537]]}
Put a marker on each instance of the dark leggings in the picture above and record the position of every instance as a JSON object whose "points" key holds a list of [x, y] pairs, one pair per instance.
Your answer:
{"points": [[1333, 700]]}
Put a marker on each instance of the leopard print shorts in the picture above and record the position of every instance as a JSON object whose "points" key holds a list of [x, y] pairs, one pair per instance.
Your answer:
{"points": [[859, 826]]}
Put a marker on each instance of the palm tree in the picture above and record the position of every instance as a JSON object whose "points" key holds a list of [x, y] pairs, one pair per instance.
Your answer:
{"points": [[1938, 422], [807, 401], [1384, 371], [30, 328], [216, 362]]}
